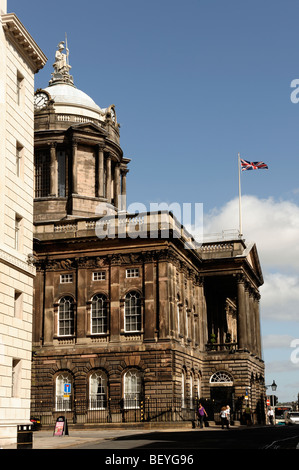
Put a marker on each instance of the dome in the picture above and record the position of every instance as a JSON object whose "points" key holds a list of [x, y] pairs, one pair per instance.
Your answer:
{"points": [[66, 94]]}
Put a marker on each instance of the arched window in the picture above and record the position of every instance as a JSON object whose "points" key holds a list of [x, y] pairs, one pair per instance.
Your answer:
{"points": [[99, 314], [98, 391], [191, 390], [66, 316], [132, 388], [132, 312], [63, 399], [221, 378], [198, 387]]}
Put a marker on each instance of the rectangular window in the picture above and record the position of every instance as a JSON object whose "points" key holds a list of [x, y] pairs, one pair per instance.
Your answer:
{"points": [[61, 173], [16, 378], [42, 173], [66, 278], [19, 159], [20, 89], [133, 272], [18, 229], [99, 314], [132, 312], [99, 276], [18, 304], [66, 317]]}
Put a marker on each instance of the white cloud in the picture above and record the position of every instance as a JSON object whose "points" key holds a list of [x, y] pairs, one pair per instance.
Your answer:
{"points": [[272, 225], [282, 367], [280, 297], [277, 341]]}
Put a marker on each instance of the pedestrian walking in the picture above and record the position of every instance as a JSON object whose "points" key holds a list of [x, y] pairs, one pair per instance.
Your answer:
{"points": [[201, 413], [271, 415], [228, 413], [224, 419], [247, 415]]}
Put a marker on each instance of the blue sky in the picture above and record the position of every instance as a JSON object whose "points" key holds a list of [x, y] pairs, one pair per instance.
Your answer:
{"points": [[194, 83]]}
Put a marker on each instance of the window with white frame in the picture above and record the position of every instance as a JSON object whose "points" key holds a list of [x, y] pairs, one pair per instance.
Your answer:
{"points": [[99, 276], [132, 389], [183, 385], [191, 390], [98, 391], [66, 316], [132, 312], [99, 314], [198, 388], [62, 401], [132, 272], [66, 278]]}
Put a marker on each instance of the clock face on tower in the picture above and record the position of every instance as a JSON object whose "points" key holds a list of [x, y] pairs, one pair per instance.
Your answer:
{"points": [[41, 99]]}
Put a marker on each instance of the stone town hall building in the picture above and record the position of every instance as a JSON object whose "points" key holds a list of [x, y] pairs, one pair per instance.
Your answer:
{"points": [[129, 325]]}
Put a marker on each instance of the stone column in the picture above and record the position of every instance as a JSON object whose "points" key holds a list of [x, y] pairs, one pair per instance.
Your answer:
{"points": [[163, 282], [204, 334], [74, 168], [53, 170], [50, 314], [249, 331], [108, 178], [81, 295], [124, 189], [149, 298], [117, 324], [116, 185], [257, 324], [253, 322], [241, 325], [100, 171]]}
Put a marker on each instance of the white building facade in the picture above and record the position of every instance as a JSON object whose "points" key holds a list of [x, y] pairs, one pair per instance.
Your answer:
{"points": [[20, 59]]}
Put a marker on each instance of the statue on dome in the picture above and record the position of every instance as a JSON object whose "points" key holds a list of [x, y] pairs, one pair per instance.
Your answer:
{"points": [[61, 60], [61, 65]]}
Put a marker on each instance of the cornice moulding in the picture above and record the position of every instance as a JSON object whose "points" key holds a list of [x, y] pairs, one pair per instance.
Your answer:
{"points": [[16, 31]]}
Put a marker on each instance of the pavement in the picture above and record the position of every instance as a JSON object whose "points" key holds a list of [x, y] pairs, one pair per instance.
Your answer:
{"points": [[44, 439], [103, 437]]}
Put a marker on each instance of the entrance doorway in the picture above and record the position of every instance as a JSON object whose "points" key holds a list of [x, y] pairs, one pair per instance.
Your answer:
{"points": [[222, 396]]}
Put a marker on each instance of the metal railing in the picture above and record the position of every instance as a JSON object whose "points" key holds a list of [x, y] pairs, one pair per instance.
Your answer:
{"points": [[222, 347], [128, 411]]}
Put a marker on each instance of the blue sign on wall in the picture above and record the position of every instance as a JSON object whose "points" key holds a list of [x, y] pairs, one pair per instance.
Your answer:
{"points": [[67, 389]]}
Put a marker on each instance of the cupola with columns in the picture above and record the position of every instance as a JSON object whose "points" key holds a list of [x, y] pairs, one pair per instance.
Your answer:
{"points": [[79, 164]]}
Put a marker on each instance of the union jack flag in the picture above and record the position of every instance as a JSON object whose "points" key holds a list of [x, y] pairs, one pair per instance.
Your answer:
{"points": [[245, 165]]}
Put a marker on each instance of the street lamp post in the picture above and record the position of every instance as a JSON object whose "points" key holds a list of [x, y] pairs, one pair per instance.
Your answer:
{"points": [[274, 387]]}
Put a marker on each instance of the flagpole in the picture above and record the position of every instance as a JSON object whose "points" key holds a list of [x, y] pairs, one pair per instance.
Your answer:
{"points": [[67, 53], [240, 205]]}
